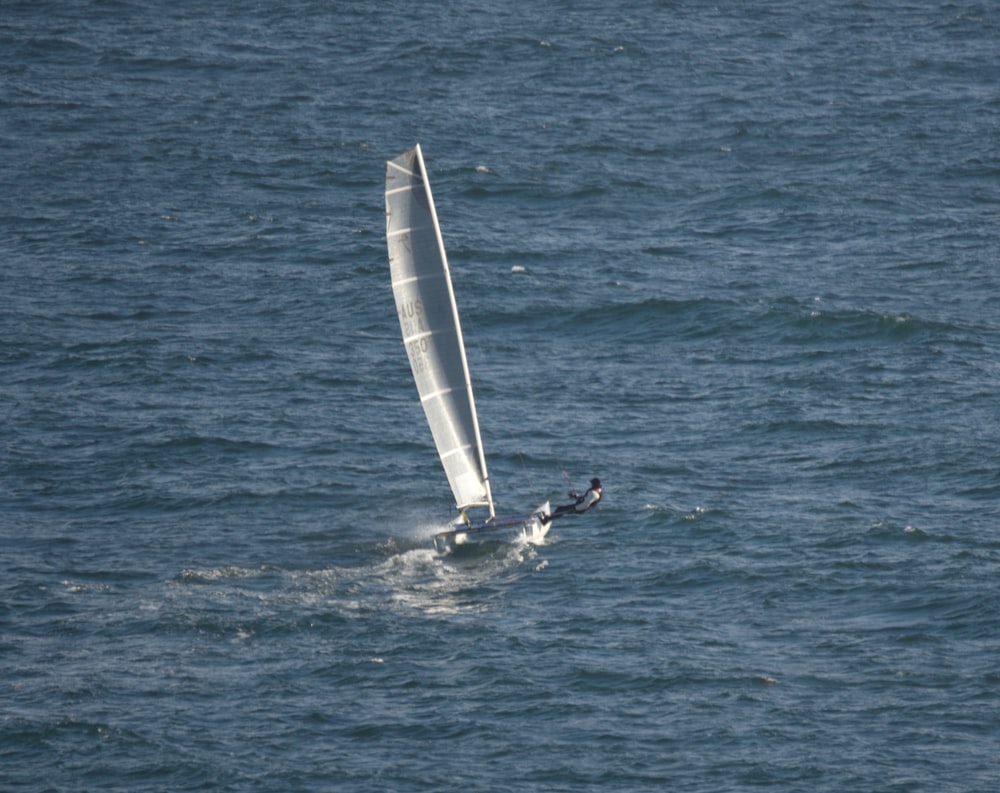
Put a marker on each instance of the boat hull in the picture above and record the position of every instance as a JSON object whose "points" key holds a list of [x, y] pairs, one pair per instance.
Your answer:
{"points": [[523, 528]]}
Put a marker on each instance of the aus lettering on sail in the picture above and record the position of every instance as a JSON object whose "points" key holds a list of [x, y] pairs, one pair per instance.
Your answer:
{"points": [[411, 317], [411, 320]]}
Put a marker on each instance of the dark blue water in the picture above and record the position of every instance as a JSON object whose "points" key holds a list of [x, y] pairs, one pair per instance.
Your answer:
{"points": [[739, 260]]}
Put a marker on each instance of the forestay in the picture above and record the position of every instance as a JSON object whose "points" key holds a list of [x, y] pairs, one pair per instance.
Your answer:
{"points": [[428, 317]]}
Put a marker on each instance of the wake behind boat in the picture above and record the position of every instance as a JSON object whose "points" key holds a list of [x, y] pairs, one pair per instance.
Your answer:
{"points": [[432, 335]]}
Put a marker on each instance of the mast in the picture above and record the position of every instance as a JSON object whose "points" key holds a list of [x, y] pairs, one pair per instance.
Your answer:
{"points": [[458, 333]]}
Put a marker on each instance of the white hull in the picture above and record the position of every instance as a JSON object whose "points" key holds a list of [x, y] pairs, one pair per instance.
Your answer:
{"points": [[526, 528]]}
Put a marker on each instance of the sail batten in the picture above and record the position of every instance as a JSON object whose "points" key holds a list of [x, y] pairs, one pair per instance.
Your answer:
{"points": [[454, 452], [399, 232], [417, 336], [436, 394], [403, 281], [397, 190], [432, 334]]}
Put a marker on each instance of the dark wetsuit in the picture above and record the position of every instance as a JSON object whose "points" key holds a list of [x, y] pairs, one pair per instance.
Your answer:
{"points": [[582, 504]]}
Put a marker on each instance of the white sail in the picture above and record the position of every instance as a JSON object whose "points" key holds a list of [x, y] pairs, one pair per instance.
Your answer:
{"points": [[428, 317]]}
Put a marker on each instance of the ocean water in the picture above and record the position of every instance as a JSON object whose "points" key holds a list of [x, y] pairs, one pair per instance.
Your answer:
{"points": [[740, 260]]}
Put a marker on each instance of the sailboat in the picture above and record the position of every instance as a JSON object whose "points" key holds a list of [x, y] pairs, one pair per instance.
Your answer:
{"points": [[432, 336]]}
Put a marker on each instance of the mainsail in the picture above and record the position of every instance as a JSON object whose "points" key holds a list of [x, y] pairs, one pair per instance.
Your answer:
{"points": [[428, 317]]}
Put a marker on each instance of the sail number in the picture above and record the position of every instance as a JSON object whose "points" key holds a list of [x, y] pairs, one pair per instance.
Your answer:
{"points": [[411, 320], [417, 350], [411, 317]]}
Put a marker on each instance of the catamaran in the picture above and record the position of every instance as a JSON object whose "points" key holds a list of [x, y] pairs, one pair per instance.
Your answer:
{"points": [[432, 335]]}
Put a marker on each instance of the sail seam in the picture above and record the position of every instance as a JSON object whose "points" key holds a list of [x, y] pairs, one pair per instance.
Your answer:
{"points": [[420, 277], [398, 167], [436, 394], [397, 232], [394, 190], [424, 334], [456, 450]]}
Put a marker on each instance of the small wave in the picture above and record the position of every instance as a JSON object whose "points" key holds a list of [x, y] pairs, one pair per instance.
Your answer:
{"points": [[208, 441], [895, 531], [809, 323], [650, 319], [674, 511], [79, 587], [217, 574]]}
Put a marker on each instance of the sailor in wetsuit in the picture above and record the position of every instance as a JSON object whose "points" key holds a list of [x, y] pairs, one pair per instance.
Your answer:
{"points": [[582, 503]]}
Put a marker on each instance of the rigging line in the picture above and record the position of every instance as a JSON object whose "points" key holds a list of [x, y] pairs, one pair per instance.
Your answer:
{"points": [[572, 487]]}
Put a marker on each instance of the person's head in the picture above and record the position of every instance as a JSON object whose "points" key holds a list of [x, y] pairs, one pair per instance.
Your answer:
{"points": [[595, 483]]}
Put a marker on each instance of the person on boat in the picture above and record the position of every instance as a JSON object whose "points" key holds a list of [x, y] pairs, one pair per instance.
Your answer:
{"points": [[581, 503]]}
